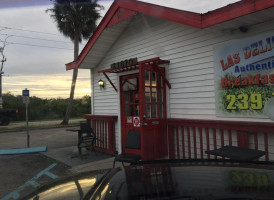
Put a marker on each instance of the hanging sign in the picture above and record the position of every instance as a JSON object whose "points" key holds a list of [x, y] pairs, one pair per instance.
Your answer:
{"points": [[136, 122], [244, 77], [124, 64]]}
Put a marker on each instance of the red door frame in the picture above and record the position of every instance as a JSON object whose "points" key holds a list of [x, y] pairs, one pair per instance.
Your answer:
{"points": [[153, 139], [124, 125], [153, 136]]}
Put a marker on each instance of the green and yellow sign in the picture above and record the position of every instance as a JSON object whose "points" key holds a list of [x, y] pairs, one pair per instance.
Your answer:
{"points": [[244, 77]]}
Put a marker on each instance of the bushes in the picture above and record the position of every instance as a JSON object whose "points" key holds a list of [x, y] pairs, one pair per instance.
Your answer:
{"points": [[46, 109]]}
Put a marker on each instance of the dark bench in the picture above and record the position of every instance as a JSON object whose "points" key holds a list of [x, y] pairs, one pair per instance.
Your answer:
{"points": [[86, 138]]}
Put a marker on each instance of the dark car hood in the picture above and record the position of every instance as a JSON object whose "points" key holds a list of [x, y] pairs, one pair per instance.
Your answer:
{"points": [[188, 180]]}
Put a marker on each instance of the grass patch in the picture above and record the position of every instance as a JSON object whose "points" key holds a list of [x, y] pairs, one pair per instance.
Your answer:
{"points": [[21, 126]]}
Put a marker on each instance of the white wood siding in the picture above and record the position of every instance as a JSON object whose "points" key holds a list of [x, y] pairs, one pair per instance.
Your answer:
{"points": [[191, 71]]}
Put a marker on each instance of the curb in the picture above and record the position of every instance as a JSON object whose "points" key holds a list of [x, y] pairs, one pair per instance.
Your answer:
{"points": [[23, 151]]}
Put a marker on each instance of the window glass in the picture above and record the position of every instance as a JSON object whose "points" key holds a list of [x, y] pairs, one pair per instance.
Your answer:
{"points": [[126, 97], [131, 97], [154, 95], [147, 94], [131, 109], [126, 110], [130, 84], [153, 79], [154, 111], [147, 78], [160, 95], [160, 110], [137, 110], [148, 111], [159, 80], [67, 190]]}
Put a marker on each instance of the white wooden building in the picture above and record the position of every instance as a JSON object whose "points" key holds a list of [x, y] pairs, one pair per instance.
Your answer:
{"points": [[186, 81]]}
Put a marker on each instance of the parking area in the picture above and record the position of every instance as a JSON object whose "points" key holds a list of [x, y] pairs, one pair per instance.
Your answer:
{"points": [[18, 172], [24, 172]]}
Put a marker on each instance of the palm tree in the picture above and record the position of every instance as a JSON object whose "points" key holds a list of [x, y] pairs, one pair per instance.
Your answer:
{"points": [[75, 19]]}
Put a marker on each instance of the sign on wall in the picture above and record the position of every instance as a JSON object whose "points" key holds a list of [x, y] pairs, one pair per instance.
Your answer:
{"points": [[244, 77], [123, 64]]}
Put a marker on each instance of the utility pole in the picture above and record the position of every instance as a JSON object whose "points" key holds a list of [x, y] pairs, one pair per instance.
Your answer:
{"points": [[4, 59]]}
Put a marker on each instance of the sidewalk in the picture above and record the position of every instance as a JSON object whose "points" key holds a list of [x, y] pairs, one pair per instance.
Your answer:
{"points": [[88, 162]]}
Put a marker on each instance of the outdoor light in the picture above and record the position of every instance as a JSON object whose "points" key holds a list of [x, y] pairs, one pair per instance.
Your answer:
{"points": [[101, 83]]}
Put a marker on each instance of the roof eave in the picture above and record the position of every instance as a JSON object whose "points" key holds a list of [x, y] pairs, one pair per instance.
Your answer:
{"points": [[233, 11], [71, 65], [184, 17], [196, 20]]}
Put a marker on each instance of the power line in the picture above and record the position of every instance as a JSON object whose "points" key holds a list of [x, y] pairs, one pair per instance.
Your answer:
{"points": [[34, 45], [5, 27], [35, 38]]}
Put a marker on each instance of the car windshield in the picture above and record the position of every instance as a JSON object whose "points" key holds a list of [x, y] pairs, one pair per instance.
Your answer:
{"points": [[136, 99], [168, 179]]}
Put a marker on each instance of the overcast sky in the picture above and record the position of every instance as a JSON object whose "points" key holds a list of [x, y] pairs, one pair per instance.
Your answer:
{"points": [[36, 52]]}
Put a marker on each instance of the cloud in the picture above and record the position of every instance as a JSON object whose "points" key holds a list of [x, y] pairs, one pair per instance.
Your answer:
{"points": [[22, 3], [47, 86], [31, 63], [23, 54], [198, 6], [41, 69]]}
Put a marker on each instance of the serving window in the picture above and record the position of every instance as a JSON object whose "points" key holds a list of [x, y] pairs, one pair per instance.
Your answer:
{"points": [[131, 99], [153, 95], [130, 84]]}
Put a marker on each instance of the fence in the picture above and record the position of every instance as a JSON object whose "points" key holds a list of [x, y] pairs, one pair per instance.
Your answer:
{"points": [[191, 138], [104, 128]]}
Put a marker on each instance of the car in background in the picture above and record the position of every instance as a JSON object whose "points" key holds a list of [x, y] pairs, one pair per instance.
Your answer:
{"points": [[168, 179], [6, 115]]}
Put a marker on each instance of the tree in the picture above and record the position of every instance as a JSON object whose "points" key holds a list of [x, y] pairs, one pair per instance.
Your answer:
{"points": [[75, 19]]}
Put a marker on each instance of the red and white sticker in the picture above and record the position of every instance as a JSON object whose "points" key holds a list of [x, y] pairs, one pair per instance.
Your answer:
{"points": [[136, 122]]}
